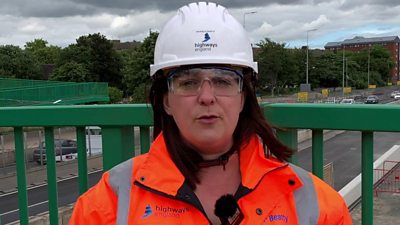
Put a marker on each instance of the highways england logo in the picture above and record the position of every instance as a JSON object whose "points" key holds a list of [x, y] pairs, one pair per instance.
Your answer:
{"points": [[206, 43], [163, 211]]}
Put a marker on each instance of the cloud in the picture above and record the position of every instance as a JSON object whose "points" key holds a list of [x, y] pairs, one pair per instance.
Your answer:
{"points": [[61, 22]]}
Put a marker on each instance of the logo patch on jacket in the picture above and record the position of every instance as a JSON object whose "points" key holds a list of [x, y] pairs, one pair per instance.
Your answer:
{"points": [[277, 218], [164, 211], [148, 211]]}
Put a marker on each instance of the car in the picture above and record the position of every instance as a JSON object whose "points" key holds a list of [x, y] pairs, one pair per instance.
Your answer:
{"points": [[64, 149], [372, 99], [394, 93], [347, 101], [397, 96]]}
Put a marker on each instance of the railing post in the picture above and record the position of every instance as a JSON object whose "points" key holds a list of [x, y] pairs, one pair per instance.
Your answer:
{"points": [[289, 138], [82, 159], [318, 153], [21, 176], [144, 139], [51, 175], [118, 145], [367, 156]]}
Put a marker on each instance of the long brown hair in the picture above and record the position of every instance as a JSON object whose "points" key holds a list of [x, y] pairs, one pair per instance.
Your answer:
{"points": [[251, 121]]}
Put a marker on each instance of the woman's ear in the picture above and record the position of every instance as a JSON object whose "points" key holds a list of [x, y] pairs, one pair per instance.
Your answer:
{"points": [[167, 107]]}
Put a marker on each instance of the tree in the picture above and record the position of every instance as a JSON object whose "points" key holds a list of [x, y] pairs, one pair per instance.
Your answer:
{"points": [[96, 54], [43, 53], [17, 63], [136, 69], [277, 67], [326, 70], [71, 71], [104, 63]]}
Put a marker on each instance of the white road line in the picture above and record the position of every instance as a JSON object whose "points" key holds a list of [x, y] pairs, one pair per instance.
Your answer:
{"points": [[41, 185], [30, 206]]}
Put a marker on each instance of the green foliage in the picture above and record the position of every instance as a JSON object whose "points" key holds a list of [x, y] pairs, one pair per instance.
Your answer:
{"points": [[70, 71], [115, 94], [17, 63], [136, 68], [44, 54], [97, 55], [277, 66], [325, 70]]}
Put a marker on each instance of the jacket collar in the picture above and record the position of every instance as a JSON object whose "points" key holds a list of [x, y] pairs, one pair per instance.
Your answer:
{"points": [[158, 171]]}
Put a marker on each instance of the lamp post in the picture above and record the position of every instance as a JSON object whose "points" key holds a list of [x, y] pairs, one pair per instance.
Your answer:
{"points": [[369, 60], [343, 70], [307, 55], [244, 17]]}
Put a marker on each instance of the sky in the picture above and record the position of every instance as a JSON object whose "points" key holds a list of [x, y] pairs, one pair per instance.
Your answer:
{"points": [[61, 22]]}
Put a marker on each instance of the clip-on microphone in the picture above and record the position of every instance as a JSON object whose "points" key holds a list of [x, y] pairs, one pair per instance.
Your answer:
{"points": [[228, 211]]}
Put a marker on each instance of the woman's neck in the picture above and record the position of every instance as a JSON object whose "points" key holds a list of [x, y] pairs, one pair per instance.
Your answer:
{"points": [[215, 181]]}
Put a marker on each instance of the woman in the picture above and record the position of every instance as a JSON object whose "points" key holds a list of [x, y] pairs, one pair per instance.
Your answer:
{"points": [[208, 163]]}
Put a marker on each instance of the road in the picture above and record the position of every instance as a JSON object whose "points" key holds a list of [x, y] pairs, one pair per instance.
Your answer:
{"points": [[344, 150], [68, 191]]}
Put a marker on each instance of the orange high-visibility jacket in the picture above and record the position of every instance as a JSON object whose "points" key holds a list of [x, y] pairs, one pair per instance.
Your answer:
{"points": [[149, 189]]}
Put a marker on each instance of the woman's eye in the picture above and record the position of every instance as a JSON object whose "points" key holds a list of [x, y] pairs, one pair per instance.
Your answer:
{"points": [[220, 82], [188, 84]]}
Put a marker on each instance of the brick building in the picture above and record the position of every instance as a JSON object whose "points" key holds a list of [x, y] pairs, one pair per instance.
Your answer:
{"points": [[392, 43]]}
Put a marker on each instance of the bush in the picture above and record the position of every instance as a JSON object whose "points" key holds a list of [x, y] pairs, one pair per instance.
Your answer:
{"points": [[115, 94]]}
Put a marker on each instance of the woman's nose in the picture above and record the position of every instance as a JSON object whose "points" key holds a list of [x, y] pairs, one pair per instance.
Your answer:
{"points": [[206, 93]]}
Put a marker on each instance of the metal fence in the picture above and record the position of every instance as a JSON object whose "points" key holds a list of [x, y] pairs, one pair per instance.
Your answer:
{"points": [[19, 92], [388, 178]]}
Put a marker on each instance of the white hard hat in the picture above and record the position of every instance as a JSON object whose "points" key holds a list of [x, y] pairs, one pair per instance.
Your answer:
{"points": [[202, 33]]}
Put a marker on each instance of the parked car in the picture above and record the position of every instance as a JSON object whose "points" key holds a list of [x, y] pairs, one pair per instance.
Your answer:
{"points": [[347, 101], [372, 99], [64, 148], [397, 96], [394, 93]]}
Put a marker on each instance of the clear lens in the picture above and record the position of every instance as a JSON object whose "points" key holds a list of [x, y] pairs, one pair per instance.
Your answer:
{"points": [[224, 81]]}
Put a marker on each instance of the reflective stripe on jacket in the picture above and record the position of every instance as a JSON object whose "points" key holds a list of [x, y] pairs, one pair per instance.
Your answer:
{"points": [[149, 189]]}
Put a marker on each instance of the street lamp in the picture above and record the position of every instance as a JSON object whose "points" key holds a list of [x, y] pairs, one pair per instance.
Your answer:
{"points": [[307, 55], [343, 69], [369, 60], [244, 17]]}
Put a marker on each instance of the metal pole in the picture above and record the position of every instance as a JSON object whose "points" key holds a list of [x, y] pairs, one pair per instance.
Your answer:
{"points": [[307, 55], [347, 71], [4, 151], [307, 61], [343, 74], [369, 59], [244, 18]]}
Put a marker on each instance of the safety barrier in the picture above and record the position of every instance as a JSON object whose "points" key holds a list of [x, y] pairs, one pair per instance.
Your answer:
{"points": [[388, 178], [117, 122]]}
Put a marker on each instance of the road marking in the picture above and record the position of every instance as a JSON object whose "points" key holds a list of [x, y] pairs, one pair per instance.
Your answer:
{"points": [[45, 184], [29, 206]]}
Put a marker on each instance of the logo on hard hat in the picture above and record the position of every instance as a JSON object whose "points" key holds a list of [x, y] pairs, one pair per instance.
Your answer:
{"points": [[206, 37], [205, 45]]}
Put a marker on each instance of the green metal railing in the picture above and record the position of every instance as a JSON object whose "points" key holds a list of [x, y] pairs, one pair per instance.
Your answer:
{"points": [[117, 122]]}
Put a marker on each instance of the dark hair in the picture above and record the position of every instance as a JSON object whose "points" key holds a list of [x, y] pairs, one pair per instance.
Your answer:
{"points": [[251, 121]]}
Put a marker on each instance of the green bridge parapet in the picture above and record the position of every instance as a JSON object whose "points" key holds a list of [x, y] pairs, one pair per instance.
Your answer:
{"points": [[118, 121]]}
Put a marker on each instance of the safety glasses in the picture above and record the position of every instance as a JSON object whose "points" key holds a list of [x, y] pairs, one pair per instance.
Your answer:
{"points": [[187, 81]]}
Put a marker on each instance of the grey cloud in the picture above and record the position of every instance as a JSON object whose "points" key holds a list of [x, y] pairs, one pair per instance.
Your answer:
{"points": [[358, 3], [45, 8]]}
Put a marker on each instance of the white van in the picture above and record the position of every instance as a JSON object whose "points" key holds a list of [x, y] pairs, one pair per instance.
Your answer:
{"points": [[93, 140]]}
